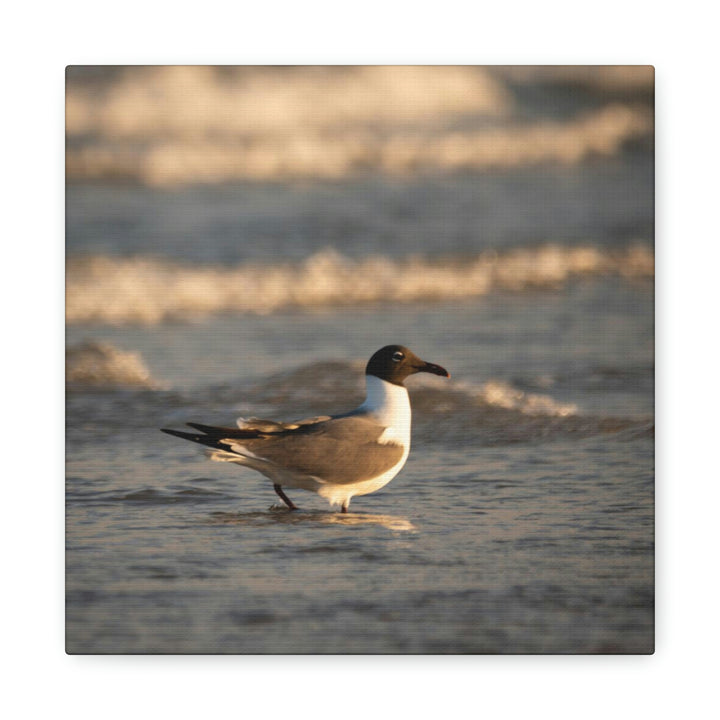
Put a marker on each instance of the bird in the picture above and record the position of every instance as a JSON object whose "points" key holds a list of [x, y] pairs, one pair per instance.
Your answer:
{"points": [[335, 456]]}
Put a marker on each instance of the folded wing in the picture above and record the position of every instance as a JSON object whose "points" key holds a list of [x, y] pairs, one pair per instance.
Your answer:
{"points": [[346, 449]]}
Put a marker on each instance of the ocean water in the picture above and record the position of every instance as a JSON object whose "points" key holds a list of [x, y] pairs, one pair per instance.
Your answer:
{"points": [[523, 521]]}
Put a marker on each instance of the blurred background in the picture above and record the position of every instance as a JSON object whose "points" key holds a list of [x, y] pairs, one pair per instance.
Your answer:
{"points": [[327, 167], [169, 126], [240, 240]]}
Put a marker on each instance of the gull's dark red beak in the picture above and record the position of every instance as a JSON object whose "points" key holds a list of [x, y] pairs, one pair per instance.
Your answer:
{"points": [[434, 369]]}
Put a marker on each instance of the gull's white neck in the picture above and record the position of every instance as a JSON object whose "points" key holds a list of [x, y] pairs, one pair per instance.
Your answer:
{"points": [[389, 403]]}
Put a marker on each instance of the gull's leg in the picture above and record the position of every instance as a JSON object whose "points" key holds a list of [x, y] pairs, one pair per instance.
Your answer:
{"points": [[278, 489]]}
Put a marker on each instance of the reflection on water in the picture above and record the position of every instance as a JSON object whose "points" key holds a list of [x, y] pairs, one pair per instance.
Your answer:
{"points": [[281, 515]]}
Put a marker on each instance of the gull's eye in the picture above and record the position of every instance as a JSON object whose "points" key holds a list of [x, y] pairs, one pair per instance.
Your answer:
{"points": [[398, 356]]}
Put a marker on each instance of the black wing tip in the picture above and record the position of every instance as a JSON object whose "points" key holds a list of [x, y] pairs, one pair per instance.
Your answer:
{"points": [[179, 433], [210, 435], [195, 437], [207, 429], [224, 432]]}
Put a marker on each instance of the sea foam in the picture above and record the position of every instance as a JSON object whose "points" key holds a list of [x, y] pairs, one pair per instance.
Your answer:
{"points": [[102, 365], [143, 290], [260, 124]]}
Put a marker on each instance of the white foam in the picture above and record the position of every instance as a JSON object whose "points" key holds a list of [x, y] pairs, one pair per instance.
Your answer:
{"points": [[103, 365], [257, 124], [149, 291], [502, 394]]}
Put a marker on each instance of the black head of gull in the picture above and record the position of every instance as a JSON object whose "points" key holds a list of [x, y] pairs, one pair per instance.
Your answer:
{"points": [[394, 363], [335, 456]]}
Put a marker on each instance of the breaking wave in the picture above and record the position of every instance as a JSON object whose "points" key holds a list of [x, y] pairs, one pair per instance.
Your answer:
{"points": [[102, 365], [260, 124], [504, 395], [492, 412], [488, 413], [148, 291]]}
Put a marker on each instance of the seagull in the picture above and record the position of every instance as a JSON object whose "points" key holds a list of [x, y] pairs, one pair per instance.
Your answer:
{"points": [[335, 456]]}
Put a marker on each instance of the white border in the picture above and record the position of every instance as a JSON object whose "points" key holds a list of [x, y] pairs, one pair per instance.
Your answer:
{"points": [[679, 41]]}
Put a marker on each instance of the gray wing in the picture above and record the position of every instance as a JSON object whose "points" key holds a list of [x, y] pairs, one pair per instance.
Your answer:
{"points": [[341, 450]]}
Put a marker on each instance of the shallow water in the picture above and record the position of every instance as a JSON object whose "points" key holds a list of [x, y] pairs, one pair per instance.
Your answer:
{"points": [[546, 548], [522, 522]]}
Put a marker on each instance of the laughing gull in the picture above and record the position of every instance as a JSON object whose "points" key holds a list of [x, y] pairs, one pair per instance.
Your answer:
{"points": [[336, 456]]}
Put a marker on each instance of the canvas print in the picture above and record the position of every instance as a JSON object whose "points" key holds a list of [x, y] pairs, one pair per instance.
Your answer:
{"points": [[359, 360]]}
